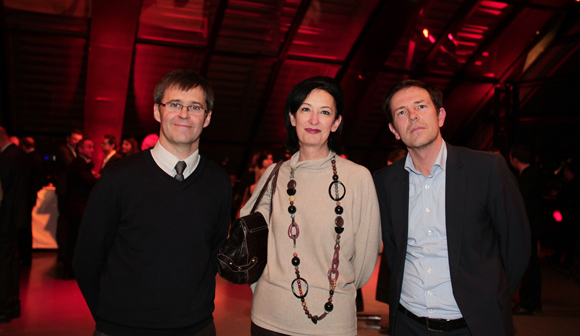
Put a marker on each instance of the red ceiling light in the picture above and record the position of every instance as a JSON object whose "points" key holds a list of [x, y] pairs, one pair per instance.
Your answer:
{"points": [[426, 33], [485, 53], [557, 215], [449, 36], [478, 63]]}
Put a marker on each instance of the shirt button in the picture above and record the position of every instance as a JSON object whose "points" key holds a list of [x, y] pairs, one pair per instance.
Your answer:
{"points": [[429, 293], [426, 186], [427, 210], [428, 250], [429, 232], [429, 271]]}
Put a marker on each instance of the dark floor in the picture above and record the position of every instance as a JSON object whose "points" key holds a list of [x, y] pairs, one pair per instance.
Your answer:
{"points": [[53, 307]]}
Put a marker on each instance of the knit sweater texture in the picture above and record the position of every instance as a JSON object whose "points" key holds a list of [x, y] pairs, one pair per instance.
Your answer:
{"points": [[274, 305], [145, 258]]}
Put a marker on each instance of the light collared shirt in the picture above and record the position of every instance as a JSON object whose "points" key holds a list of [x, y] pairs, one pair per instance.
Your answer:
{"points": [[108, 157], [72, 149], [427, 289], [167, 161]]}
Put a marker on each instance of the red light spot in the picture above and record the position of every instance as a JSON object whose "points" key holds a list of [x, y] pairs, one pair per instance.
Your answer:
{"points": [[431, 39], [450, 36], [557, 216], [485, 53], [477, 62], [426, 32]]}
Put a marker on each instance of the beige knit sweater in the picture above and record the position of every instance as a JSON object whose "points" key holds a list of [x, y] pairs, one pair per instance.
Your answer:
{"points": [[274, 307]]}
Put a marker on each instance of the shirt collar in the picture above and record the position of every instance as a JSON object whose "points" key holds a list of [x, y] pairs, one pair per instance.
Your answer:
{"points": [[440, 161], [167, 161], [72, 149]]}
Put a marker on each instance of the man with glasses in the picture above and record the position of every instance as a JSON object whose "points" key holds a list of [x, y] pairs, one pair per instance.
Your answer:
{"points": [[145, 258]]}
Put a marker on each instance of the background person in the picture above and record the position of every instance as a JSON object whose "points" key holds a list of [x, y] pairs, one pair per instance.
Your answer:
{"points": [[129, 146], [109, 147], [311, 236], [65, 154]]}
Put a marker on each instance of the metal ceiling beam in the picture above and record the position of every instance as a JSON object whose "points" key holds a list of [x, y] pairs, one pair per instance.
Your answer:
{"points": [[387, 25], [497, 32], [282, 55], [214, 34], [467, 8]]}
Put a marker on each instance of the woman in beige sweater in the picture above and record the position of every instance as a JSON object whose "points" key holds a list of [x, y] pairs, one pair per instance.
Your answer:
{"points": [[325, 227]]}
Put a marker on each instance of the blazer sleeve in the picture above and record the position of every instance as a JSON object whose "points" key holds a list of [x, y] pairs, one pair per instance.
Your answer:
{"points": [[389, 248], [510, 222], [367, 238]]}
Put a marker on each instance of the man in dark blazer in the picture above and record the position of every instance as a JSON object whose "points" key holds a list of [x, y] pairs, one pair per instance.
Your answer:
{"points": [[80, 181], [35, 180], [12, 217], [455, 229], [109, 147], [64, 156]]}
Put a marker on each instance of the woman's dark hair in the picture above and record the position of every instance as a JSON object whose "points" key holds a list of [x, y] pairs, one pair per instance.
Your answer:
{"points": [[298, 95], [134, 145], [263, 156]]}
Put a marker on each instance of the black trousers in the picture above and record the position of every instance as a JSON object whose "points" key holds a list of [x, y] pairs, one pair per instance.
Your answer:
{"points": [[406, 327], [259, 331], [9, 274], [531, 285], [207, 331]]}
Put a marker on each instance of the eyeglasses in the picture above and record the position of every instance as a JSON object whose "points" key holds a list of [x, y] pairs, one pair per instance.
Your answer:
{"points": [[176, 107]]}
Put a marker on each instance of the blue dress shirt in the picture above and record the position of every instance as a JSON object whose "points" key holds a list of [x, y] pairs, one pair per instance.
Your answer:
{"points": [[427, 289]]}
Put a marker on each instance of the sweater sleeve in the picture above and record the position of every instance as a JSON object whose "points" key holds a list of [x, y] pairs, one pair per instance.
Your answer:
{"points": [[367, 238], [96, 236]]}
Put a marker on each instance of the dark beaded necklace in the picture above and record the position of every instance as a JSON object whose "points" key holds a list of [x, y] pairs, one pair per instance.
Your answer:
{"points": [[294, 232]]}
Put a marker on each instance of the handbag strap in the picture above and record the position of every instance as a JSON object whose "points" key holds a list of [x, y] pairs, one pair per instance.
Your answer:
{"points": [[273, 174]]}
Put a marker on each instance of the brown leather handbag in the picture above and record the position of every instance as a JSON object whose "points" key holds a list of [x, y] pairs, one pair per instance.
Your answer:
{"points": [[243, 258]]}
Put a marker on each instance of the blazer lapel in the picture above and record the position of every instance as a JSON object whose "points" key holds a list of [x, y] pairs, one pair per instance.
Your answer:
{"points": [[400, 207], [454, 209]]}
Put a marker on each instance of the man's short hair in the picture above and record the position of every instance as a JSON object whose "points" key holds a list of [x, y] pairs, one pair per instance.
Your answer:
{"points": [[76, 131], [183, 80], [27, 143], [522, 153], [435, 94], [112, 140], [82, 142]]}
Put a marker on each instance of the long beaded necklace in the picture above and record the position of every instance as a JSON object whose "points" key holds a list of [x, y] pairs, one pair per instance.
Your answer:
{"points": [[294, 232]]}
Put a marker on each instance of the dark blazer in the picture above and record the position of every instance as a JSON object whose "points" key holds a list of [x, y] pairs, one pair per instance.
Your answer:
{"points": [[13, 208], [488, 235], [112, 160], [80, 181], [64, 156]]}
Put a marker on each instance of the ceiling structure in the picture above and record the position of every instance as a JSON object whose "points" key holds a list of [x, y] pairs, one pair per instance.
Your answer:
{"points": [[508, 69]]}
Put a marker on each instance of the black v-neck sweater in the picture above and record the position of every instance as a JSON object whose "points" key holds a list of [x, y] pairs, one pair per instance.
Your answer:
{"points": [[145, 260]]}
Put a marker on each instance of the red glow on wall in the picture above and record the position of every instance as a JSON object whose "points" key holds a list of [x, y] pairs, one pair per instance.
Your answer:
{"points": [[557, 216], [478, 63]]}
